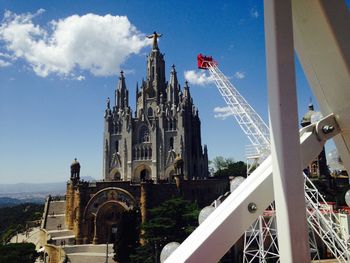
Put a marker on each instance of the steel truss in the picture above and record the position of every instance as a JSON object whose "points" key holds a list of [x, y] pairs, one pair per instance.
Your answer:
{"points": [[324, 223]]}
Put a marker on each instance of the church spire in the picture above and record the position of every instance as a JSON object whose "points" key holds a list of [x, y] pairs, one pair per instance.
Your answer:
{"points": [[187, 90], [122, 93], [155, 70], [173, 87]]}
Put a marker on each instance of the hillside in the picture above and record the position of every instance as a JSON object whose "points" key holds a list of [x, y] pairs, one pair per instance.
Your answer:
{"points": [[13, 219]]}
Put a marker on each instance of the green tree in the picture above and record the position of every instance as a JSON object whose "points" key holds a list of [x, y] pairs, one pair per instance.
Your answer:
{"points": [[225, 167], [221, 163], [19, 252], [172, 221], [127, 236], [14, 219]]}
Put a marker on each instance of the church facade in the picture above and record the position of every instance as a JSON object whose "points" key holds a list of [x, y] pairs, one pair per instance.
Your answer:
{"points": [[148, 157], [144, 145]]}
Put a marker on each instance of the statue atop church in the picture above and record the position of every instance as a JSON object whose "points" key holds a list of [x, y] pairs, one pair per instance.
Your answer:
{"points": [[155, 36], [75, 170]]}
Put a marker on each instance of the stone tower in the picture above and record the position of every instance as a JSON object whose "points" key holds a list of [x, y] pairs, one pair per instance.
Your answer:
{"points": [[144, 145]]}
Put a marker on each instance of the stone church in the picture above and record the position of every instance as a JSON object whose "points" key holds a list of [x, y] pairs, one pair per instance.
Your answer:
{"points": [[149, 156], [165, 125]]}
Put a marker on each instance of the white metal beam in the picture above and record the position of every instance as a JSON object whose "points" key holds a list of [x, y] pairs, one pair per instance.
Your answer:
{"points": [[288, 184], [227, 223], [322, 42]]}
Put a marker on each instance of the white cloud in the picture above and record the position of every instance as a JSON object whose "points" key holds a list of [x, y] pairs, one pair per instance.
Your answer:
{"points": [[197, 78], [80, 78], [98, 44], [4, 63], [239, 75], [254, 13], [222, 112]]}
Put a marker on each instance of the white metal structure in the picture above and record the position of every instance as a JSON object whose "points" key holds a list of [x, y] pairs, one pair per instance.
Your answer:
{"points": [[249, 121], [260, 240], [326, 227], [322, 40], [325, 223]]}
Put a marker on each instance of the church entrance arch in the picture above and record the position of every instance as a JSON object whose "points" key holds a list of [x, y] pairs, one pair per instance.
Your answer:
{"points": [[103, 212], [142, 173], [107, 221]]}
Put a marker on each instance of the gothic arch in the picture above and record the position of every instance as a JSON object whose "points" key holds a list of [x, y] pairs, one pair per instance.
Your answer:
{"points": [[109, 194], [150, 112], [142, 172], [171, 157], [169, 173], [114, 174], [108, 217]]}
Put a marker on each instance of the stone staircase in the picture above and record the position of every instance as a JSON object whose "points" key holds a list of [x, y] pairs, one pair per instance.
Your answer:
{"points": [[55, 223], [89, 253], [60, 235]]}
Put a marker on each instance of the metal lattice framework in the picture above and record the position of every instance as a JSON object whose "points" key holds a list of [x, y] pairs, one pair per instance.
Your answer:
{"points": [[250, 122], [260, 240], [324, 223]]}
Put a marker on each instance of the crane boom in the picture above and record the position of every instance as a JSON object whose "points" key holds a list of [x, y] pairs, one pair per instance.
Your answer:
{"points": [[248, 119]]}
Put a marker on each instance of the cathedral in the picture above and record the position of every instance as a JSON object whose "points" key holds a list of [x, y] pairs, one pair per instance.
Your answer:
{"points": [[165, 125], [149, 155]]}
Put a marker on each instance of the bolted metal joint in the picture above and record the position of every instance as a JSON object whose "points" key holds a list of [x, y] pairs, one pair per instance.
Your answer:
{"points": [[252, 208], [327, 129]]}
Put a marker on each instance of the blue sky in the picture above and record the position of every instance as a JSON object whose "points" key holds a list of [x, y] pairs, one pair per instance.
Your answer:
{"points": [[59, 61]]}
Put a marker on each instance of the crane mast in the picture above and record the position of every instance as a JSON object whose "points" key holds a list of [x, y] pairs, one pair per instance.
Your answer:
{"points": [[321, 221]]}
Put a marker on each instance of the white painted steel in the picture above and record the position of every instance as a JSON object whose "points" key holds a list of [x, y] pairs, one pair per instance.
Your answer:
{"points": [[211, 240], [226, 224], [249, 121], [260, 240], [321, 36], [322, 41], [325, 223], [285, 148]]}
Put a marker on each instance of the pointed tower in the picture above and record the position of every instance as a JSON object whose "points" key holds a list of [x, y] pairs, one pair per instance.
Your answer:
{"points": [[155, 83], [173, 87], [122, 93]]}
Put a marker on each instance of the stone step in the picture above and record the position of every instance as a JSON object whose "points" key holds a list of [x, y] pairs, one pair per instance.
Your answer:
{"points": [[88, 248], [53, 222], [60, 233], [57, 207], [89, 258]]}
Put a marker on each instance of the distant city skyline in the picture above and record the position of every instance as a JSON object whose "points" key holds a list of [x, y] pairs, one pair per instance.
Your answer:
{"points": [[60, 61]]}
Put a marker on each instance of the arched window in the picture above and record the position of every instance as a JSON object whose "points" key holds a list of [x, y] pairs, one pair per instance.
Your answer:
{"points": [[144, 175], [144, 134], [171, 143], [117, 176], [150, 112], [117, 145]]}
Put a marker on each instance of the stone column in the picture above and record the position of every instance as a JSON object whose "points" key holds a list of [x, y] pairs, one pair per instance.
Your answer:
{"points": [[78, 222], [95, 239], [144, 204], [70, 206], [144, 200]]}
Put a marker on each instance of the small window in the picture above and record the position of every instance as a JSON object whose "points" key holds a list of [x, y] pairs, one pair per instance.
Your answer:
{"points": [[144, 134], [171, 143], [117, 145], [150, 112]]}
